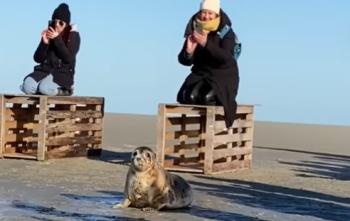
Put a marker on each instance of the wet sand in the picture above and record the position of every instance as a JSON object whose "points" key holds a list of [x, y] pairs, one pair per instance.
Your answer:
{"points": [[293, 183]]}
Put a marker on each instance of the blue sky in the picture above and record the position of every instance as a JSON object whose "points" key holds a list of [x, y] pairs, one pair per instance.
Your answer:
{"points": [[294, 65]]}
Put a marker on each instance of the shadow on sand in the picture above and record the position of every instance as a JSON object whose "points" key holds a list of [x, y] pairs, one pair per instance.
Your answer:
{"points": [[195, 211], [109, 198], [214, 214], [329, 166], [51, 212], [121, 158], [45, 213], [277, 198]]}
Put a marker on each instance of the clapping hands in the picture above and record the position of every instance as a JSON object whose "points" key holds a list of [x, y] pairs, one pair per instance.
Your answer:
{"points": [[194, 39]]}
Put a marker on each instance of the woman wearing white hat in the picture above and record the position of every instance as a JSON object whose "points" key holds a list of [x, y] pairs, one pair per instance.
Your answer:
{"points": [[214, 79]]}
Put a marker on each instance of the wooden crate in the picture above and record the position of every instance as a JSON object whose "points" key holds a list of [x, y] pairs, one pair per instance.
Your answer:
{"points": [[193, 138], [45, 127]]}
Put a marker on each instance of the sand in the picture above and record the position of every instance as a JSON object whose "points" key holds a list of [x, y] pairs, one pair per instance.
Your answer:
{"points": [[291, 183]]}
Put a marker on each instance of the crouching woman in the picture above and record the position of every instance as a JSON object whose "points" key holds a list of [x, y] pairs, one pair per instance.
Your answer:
{"points": [[56, 55], [214, 76]]}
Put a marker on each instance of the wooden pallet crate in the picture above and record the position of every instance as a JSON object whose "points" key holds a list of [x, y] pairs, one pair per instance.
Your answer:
{"points": [[46, 127], [193, 138]]}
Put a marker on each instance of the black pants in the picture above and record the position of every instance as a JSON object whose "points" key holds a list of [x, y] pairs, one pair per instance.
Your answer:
{"points": [[200, 93]]}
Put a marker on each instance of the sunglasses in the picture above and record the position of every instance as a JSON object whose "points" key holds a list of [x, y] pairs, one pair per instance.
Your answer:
{"points": [[56, 22]]}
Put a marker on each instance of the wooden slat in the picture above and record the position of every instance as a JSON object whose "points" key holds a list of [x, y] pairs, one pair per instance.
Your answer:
{"points": [[173, 135], [184, 169], [200, 109], [25, 137], [182, 138], [169, 150], [249, 143], [223, 139], [222, 153], [20, 137], [99, 108], [2, 125], [61, 141], [71, 134], [194, 168], [250, 117], [185, 146], [19, 130], [230, 166], [76, 114], [76, 151], [21, 99], [186, 109], [20, 156], [22, 125], [189, 157], [191, 160], [75, 100], [98, 133], [99, 121], [241, 109], [24, 144], [160, 145], [69, 127], [220, 125], [229, 145], [172, 121], [192, 112], [209, 142], [245, 109], [42, 129], [9, 149]]}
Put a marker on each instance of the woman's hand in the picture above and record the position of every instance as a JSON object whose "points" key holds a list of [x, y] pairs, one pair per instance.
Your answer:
{"points": [[200, 38], [191, 45], [46, 40], [51, 33]]}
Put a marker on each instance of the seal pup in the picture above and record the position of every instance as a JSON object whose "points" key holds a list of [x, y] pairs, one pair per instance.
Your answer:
{"points": [[150, 187]]}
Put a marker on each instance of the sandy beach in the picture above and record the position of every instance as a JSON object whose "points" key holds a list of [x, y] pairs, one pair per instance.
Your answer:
{"points": [[300, 172]]}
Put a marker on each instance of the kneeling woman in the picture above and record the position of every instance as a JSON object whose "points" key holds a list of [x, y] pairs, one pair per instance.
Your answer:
{"points": [[56, 57], [214, 78]]}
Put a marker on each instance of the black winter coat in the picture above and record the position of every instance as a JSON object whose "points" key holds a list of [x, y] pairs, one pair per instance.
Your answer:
{"points": [[215, 64], [57, 59]]}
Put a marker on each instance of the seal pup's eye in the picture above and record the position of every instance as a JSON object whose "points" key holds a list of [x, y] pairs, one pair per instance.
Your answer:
{"points": [[148, 155], [134, 154]]}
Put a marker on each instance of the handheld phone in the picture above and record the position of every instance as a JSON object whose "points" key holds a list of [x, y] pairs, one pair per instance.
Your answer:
{"points": [[198, 28], [52, 24]]}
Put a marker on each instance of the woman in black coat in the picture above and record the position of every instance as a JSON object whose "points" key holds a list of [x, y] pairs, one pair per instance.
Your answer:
{"points": [[56, 55], [214, 79]]}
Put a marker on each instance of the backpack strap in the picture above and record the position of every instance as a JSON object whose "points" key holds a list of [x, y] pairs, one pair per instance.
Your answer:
{"points": [[237, 47], [222, 33]]}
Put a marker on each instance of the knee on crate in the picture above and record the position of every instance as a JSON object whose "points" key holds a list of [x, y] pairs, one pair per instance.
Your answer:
{"points": [[29, 86]]}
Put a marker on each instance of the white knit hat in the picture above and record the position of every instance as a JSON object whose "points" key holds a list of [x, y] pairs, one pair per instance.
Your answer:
{"points": [[212, 5]]}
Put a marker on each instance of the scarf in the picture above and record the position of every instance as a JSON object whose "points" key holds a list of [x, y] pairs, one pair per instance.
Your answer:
{"points": [[206, 26]]}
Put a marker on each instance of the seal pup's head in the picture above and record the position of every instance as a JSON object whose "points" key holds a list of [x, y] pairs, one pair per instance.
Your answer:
{"points": [[143, 159]]}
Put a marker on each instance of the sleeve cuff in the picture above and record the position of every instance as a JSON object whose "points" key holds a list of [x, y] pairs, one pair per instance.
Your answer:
{"points": [[188, 56]]}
